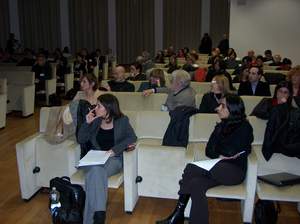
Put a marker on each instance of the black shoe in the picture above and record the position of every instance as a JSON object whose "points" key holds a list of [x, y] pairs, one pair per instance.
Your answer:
{"points": [[177, 216], [99, 217]]}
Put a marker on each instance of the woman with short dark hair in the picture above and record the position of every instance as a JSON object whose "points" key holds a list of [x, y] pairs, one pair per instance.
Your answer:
{"points": [[107, 129], [231, 141]]}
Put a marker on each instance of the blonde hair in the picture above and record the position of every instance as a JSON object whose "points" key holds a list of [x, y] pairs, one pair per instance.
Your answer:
{"points": [[223, 82]]}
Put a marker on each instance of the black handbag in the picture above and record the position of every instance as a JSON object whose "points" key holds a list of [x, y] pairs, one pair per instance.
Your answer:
{"points": [[72, 199], [265, 212]]}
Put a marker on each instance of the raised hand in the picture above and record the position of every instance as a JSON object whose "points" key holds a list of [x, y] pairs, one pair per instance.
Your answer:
{"points": [[91, 116]]}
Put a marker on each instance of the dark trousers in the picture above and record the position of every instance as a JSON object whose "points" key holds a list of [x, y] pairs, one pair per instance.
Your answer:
{"points": [[196, 181]]}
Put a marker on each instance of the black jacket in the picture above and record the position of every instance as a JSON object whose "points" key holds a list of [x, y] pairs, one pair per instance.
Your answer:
{"points": [[282, 133], [262, 89], [121, 86], [228, 144], [177, 133], [208, 103]]}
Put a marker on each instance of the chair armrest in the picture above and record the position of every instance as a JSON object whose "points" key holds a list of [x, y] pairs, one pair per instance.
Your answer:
{"points": [[69, 82], [50, 88], [26, 161], [130, 175], [28, 100]]}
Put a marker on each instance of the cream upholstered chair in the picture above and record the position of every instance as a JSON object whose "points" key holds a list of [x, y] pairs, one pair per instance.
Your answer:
{"points": [[278, 163], [251, 102], [20, 91], [153, 170], [245, 191], [3, 102], [38, 161]]}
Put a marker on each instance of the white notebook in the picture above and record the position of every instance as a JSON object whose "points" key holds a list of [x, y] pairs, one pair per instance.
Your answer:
{"points": [[207, 164], [94, 157]]}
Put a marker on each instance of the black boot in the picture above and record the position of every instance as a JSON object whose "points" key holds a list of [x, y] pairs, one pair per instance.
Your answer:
{"points": [[177, 216], [99, 217]]}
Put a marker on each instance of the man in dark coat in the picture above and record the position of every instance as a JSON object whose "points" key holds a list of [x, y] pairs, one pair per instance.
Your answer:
{"points": [[254, 87]]}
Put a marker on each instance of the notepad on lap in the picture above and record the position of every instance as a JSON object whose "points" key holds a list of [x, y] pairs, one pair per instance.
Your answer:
{"points": [[206, 164], [94, 157]]}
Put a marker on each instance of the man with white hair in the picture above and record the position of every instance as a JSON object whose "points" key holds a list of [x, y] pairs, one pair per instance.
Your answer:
{"points": [[179, 93]]}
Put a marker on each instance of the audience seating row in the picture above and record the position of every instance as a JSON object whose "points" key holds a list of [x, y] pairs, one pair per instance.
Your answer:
{"points": [[199, 87], [20, 91], [160, 167], [135, 101], [3, 102]]}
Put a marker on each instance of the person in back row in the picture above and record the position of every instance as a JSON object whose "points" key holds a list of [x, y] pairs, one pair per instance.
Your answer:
{"points": [[43, 72], [119, 84], [136, 72], [254, 87], [230, 141], [282, 94], [156, 80], [212, 99], [179, 94]]}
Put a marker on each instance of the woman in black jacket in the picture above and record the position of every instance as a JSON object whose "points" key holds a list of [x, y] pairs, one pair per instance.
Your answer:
{"points": [[211, 100], [231, 141]]}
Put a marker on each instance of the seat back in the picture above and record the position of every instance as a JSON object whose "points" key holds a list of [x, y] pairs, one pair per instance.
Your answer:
{"points": [[201, 87], [259, 127], [152, 124], [135, 101], [18, 78], [201, 127], [251, 102]]}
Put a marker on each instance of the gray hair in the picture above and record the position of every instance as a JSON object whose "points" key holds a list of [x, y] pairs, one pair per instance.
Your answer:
{"points": [[181, 76]]}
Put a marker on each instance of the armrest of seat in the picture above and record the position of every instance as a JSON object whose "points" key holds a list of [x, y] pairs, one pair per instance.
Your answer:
{"points": [[250, 183], [130, 175], [69, 82], [28, 100], [50, 88], [3, 108], [26, 161]]}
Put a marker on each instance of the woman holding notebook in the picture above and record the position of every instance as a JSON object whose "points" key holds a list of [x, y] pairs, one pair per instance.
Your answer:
{"points": [[108, 130], [231, 142]]}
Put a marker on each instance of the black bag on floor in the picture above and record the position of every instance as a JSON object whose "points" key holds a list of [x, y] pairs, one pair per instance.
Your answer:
{"points": [[265, 212], [72, 199]]}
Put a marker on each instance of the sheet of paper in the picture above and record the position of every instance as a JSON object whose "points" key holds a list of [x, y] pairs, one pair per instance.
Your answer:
{"points": [[94, 157], [206, 164]]}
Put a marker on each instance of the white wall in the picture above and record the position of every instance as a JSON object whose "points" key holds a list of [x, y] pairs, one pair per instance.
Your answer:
{"points": [[266, 24]]}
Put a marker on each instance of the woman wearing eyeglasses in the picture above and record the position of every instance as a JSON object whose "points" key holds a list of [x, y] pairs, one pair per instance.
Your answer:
{"points": [[107, 129], [231, 141], [211, 100]]}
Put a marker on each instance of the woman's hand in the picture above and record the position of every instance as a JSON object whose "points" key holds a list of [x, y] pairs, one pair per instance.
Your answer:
{"points": [[91, 116], [147, 92], [111, 153], [131, 147]]}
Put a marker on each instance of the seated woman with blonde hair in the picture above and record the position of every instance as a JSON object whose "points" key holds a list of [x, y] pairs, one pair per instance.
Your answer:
{"points": [[211, 100]]}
